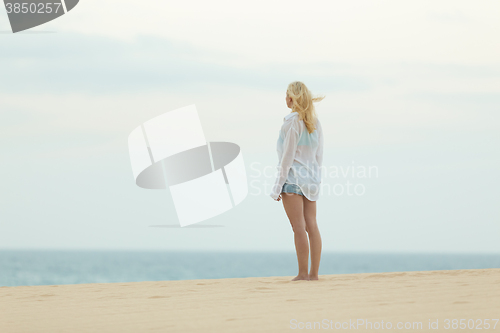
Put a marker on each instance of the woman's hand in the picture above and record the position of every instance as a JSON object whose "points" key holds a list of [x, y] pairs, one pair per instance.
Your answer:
{"points": [[279, 198]]}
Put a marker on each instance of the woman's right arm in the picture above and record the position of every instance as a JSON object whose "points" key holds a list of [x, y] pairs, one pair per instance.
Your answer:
{"points": [[319, 152]]}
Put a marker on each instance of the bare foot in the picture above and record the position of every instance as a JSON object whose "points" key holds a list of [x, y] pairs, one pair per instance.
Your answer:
{"points": [[313, 277], [301, 277]]}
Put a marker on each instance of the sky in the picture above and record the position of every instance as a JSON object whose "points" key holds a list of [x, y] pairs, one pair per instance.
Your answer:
{"points": [[412, 92]]}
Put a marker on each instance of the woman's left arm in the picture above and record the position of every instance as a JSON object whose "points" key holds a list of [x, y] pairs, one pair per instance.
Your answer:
{"points": [[290, 143]]}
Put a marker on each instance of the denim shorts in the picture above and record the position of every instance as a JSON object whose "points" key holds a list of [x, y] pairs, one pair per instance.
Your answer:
{"points": [[291, 188]]}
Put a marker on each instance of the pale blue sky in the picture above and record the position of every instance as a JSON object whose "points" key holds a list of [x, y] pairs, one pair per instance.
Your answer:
{"points": [[413, 90]]}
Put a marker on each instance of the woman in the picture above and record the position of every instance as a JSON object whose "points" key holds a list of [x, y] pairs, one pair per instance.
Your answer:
{"points": [[300, 154]]}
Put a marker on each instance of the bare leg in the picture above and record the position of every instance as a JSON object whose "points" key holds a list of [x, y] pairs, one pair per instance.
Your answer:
{"points": [[294, 210], [314, 236]]}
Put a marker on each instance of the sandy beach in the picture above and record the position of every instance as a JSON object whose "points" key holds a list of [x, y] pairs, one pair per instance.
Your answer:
{"points": [[340, 302]]}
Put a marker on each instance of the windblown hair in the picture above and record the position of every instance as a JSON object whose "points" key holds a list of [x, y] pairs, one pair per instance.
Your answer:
{"points": [[302, 103]]}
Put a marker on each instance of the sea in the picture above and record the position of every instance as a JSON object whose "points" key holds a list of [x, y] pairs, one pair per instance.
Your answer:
{"points": [[57, 267]]}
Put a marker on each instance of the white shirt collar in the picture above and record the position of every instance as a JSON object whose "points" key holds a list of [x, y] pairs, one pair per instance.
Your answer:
{"points": [[290, 115]]}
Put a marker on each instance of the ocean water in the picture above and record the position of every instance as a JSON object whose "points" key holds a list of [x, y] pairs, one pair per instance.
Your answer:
{"points": [[44, 267]]}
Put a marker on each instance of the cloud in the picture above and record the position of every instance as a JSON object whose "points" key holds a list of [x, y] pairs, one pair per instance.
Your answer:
{"points": [[291, 32], [66, 63]]}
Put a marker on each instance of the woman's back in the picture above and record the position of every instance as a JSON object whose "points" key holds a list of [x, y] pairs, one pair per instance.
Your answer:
{"points": [[303, 152]]}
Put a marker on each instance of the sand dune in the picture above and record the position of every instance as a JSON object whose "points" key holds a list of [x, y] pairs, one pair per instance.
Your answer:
{"points": [[272, 304]]}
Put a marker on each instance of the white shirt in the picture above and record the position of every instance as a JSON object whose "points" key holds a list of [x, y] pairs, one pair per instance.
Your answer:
{"points": [[300, 155]]}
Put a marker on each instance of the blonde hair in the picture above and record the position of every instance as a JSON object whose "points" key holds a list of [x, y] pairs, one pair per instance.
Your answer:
{"points": [[302, 103]]}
